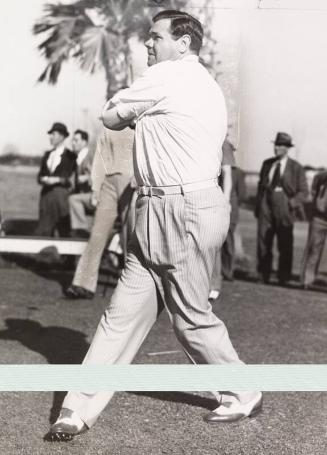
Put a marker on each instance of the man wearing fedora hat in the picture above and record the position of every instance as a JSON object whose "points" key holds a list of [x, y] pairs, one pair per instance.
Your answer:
{"points": [[56, 169], [282, 190]]}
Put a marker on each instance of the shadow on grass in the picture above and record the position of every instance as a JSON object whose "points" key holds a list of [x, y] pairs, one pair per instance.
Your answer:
{"points": [[189, 399], [58, 345], [294, 284], [59, 271]]}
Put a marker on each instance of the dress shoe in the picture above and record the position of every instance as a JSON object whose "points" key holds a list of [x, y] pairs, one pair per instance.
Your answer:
{"points": [[214, 294], [78, 292], [66, 427], [233, 411]]}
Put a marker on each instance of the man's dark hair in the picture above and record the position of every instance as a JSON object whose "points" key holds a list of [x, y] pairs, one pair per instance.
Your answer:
{"points": [[183, 24], [83, 135]]}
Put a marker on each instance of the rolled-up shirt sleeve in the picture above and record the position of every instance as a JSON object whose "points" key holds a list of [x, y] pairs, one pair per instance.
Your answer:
{"points": [[144, 94]]}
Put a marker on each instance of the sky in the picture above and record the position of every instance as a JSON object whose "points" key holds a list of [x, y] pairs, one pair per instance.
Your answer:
{"points": [[29, 108], [274, 72], [283, 84]]}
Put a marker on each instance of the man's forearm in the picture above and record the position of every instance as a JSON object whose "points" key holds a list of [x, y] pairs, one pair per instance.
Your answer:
{"points": [[112, 121]]}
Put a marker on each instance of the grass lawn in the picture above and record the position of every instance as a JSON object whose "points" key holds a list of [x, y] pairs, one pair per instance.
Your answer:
{"points": [[19, 192], [267, 324]]}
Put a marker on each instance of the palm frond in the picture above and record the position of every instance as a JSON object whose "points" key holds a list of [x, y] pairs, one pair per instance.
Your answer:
{"points": [[94, 49], [52, 71], [64, 25], [96, 33]]}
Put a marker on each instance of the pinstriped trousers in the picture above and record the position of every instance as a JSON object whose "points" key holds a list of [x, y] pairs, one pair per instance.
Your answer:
{"points": [[170, 260]]}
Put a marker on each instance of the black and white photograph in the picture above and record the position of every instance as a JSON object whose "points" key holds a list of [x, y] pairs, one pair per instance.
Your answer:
{"points": [[163, 201]]}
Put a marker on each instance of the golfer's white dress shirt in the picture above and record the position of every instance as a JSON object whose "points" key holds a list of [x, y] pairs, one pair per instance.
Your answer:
{"points": [[181, 123]]}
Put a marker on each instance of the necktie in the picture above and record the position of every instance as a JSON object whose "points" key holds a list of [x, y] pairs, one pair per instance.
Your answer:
{"points": [[276, 179]]}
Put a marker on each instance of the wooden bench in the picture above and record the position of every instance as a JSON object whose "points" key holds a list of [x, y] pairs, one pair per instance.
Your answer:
{"points": [[17, 237]]}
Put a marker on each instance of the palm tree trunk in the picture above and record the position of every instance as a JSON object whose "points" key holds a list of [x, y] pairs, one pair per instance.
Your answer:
{"points": [[117, 69]]}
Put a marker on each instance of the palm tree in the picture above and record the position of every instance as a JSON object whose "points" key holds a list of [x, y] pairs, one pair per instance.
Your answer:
{"points": [[95, 33]]}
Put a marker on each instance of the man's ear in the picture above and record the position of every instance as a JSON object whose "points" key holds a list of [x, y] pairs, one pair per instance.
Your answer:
{"points": [[184, 42]]}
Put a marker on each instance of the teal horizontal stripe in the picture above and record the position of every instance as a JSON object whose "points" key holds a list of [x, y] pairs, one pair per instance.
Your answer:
{"points": [[163, 377]]}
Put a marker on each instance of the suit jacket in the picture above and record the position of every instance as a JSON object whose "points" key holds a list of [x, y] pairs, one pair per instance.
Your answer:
{"points": [[319, 193], [64, 170], [84, 169], [293, 183]]}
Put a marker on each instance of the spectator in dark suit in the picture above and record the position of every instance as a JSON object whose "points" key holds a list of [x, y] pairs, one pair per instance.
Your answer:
{"points": [[56, 169], [317, 231], [282, 190], [80, 201]]}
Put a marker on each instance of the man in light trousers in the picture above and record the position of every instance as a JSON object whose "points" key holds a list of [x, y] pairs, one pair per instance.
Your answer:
{"points": [[111, 176], [182, 218]]}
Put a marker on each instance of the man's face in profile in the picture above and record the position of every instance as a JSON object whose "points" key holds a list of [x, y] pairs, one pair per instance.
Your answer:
{"points": [[280, 150], [56, 138], [78, 143], [160, 44]]}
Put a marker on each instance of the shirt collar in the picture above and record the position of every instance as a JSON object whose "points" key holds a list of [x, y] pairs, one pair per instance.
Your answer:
{"points": [[283, 160], [59, 150], [82, 155], [190, 58]]}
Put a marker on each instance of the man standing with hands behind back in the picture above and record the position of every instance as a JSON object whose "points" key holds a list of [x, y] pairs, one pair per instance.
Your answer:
{"points": [[282, 190], [182, 219]]}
